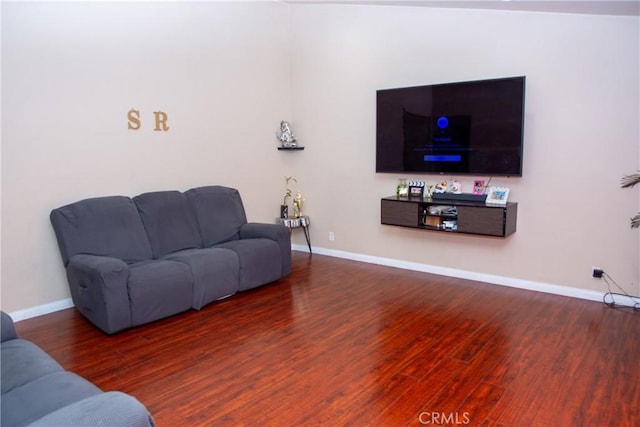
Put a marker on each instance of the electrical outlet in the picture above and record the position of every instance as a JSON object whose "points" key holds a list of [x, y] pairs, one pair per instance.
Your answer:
{"points": [[597, 272], [331, 236]]}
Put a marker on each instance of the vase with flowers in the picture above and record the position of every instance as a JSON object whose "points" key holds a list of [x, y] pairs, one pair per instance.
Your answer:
{"points": [[284, 207]]}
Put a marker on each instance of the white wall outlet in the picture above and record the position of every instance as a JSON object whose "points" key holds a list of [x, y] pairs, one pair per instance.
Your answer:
{"points": [[331, 236]]}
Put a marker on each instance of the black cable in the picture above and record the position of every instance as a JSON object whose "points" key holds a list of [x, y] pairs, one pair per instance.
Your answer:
{"points": [[608, 280]]}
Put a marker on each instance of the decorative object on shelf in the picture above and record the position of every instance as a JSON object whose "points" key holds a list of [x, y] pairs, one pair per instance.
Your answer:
{"points": [[297, 205], [429, 191], [455, 187], [402, 189], [285, 135], [284, 207], [497, 195], [478, 187], [629, 181], [441, 187], [416, 189]]}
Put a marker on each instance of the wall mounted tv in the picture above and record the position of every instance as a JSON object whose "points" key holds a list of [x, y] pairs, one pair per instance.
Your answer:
{"points": [[468, 128]]}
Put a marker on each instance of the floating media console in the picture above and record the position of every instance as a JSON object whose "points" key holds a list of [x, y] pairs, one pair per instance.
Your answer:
{"points": [[451, 216]]}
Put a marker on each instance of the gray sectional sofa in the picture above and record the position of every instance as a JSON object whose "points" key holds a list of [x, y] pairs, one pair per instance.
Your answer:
{"points": [[37, 391], [130, 261]]}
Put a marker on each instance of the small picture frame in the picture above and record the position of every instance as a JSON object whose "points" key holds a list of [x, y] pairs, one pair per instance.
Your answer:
{"points": [[416, 191], [497, 195], [478, 187]]}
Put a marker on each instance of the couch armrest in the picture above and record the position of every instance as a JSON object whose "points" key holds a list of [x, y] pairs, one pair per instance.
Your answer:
{"points": [[113, 408], [8, 328], [277, 232], [99, 290]]}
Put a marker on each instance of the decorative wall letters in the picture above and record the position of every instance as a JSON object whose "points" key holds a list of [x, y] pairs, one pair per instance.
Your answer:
{"points": [[134, 119], [134, 122]]}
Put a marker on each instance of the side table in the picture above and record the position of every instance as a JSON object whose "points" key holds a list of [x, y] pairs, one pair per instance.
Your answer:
{"points": [[302, 221]]}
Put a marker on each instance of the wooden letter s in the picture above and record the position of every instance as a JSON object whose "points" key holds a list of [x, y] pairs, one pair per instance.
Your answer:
{"points": [[134, 119]]}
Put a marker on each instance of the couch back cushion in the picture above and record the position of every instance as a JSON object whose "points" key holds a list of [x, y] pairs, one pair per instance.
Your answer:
{"points": [[107, 226], [169, 222], [219, 212]]}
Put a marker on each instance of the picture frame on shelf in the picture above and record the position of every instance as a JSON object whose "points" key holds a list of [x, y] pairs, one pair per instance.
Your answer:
{"points": [[416, 189], [478, 187], [497, 195]]}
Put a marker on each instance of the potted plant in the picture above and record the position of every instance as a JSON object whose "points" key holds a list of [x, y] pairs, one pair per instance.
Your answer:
{"points": [[284, 207], [629, 181]]}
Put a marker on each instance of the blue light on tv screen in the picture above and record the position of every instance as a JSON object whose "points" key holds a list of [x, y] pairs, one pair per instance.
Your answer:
{"points": [[442, 158], [443, 122]]}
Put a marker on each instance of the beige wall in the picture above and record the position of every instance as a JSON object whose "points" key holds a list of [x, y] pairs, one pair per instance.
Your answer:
{"points": [[582, 133], [226, 74], [71, 72]]}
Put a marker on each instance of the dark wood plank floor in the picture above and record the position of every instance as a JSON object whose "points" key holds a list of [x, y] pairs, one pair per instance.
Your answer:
{"points": [[345, 343]]}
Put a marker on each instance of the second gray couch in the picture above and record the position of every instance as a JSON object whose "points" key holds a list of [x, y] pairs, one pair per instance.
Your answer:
{"points": [[38, 392], [130, 261]]}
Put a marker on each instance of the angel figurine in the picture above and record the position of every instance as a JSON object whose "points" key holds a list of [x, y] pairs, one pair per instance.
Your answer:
{"points": [[285, 135]]}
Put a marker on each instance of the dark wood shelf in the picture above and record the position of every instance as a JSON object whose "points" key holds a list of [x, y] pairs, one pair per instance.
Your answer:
{"points": [[463, 217]]}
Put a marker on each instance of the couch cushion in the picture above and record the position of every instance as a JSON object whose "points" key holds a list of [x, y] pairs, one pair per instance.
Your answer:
{"points": [[46, 394], [159, 289], [113, 408], [108, 226], [260, 261], [219, 213], [215, 273], [169, 222], [23, 362]]}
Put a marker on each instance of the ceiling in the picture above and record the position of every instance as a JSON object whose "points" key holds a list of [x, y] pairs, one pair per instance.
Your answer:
{"points": [[591, 7]]}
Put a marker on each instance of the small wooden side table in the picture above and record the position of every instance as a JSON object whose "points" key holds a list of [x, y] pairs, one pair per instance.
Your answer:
{"points": [[300, 222]]}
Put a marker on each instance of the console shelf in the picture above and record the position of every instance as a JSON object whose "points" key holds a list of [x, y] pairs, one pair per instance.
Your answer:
{"points": [[450, 216]]}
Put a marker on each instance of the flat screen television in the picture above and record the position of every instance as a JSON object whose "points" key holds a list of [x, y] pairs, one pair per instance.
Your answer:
{"points": [[464, 128]]}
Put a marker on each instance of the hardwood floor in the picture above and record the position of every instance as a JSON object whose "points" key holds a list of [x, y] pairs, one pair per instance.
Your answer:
{"points": [[346, 343]]}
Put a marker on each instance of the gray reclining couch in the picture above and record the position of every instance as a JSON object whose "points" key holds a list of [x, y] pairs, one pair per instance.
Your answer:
{"points": [[37, 391], [133, 261]]}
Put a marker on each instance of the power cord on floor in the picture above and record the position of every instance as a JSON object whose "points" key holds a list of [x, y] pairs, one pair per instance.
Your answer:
{"points": [[612, 295]]}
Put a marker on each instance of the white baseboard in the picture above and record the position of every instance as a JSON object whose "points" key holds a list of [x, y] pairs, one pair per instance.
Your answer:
{"points": [[470, 275], [390, 262], [41, 309]]}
